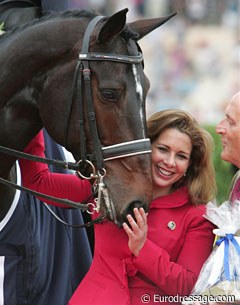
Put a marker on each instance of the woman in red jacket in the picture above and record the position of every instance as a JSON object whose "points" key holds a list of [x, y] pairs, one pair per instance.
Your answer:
{"points": [[158, 257]]}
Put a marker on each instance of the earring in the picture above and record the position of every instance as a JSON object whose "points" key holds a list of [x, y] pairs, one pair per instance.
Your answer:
{"points": [[185, 174]]}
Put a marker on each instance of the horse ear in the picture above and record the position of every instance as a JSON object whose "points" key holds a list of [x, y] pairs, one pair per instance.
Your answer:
{"points": [[145, 26], [114, 25]]}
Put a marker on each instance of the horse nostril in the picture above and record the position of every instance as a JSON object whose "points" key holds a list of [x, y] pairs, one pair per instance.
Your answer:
{"points": [[132, 205]]}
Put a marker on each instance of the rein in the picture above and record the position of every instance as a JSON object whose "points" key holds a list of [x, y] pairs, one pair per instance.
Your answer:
{"points": [[89, 207], [100, 154]]}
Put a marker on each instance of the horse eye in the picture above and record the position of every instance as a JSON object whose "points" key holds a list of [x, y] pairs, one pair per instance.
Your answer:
{"points": [[109, 95]]}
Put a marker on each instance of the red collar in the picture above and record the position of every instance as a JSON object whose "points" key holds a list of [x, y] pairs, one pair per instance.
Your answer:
{"points": [[174, 200]]}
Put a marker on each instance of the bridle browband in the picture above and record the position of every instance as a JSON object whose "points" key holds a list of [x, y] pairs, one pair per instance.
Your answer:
{"points": [[101, 154]]}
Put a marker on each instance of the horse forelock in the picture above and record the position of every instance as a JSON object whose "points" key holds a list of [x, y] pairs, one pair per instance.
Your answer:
{"points": [[127, 34]]}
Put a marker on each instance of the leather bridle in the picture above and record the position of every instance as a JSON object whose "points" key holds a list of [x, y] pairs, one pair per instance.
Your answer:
{"points": [[100, 153], [82, 81]]}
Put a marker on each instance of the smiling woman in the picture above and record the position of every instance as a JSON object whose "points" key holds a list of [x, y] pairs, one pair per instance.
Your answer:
{"points": [[181, 155], [172, 245], [171, 153]]}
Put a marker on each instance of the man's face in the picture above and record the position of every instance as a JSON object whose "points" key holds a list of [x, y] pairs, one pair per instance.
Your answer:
{"points": [[229, 129]]}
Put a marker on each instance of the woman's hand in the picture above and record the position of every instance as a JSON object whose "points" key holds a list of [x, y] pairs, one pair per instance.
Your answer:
{"points": [[137, 231]]}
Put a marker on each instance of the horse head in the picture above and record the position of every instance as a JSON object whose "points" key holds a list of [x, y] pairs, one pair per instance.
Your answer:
{"points": [[96, 110]]}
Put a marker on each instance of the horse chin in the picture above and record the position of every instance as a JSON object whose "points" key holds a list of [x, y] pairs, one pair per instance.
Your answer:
{"points": [[120, 218]]}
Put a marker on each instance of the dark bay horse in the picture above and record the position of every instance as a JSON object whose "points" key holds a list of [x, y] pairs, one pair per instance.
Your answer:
{"points": [[40, 86]]}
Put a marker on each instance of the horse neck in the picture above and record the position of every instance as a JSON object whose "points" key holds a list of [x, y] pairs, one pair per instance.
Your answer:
{"points": [[27, 123], [36, 50], [27, 57]]}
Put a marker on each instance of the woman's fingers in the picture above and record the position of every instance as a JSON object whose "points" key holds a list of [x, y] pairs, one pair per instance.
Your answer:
{"points": [[141, 217], [127, 229], [136, 229], [132, 223], [140, 222]]}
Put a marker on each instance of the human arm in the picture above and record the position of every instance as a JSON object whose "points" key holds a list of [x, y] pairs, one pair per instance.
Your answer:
{"points": [[37, 176]]}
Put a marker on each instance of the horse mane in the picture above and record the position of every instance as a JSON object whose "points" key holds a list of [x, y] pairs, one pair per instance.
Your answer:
{"points": [[127, 33], [55, 15]]}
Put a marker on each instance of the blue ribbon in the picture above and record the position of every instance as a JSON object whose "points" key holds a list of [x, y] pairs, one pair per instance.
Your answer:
{"points": [[228, 238]]}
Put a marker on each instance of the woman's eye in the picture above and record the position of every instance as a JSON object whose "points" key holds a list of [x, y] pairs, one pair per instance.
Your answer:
{"points": [[162, 148], [109, 95], [183, 157]]}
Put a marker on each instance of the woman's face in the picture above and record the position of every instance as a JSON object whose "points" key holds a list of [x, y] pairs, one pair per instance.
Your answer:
{"points": [[171, 153]]}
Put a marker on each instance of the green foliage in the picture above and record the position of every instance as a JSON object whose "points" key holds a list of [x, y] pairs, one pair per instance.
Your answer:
{"points": [[224, 170]]}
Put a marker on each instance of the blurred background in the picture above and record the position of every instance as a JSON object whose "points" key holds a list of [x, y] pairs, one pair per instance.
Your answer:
{"points": [[192, 61]]}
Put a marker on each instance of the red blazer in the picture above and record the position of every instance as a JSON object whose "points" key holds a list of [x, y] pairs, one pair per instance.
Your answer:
{"points": [[168, 264], [179, 241]]}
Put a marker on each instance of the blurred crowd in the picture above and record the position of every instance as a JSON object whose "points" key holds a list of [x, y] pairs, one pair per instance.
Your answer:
{"points": [[193, 62]]}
